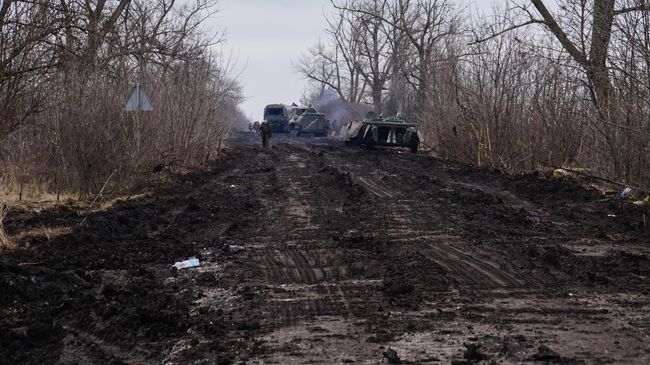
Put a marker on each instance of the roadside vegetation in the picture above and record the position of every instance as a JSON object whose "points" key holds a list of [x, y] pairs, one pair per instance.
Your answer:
{"points": [[524, 87], [5, 241], [66, 70]]}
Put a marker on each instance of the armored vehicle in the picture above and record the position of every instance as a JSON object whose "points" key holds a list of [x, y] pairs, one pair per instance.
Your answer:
{"points": [[376, 131], [296, 111], [278, 117], [308, 121]]}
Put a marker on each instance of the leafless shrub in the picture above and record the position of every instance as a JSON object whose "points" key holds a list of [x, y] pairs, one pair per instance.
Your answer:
{"points": [[518, 88], [64, 128]]}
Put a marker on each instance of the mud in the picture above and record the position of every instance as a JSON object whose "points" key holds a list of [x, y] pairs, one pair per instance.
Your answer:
{"points": [[314, 252]]}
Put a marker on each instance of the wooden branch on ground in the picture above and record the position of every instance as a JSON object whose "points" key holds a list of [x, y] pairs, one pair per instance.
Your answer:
{"points": [[104, 187], [599, 178]]}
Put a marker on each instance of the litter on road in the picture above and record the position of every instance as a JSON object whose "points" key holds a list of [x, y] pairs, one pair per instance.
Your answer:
{"points": [[192, 262], [625, 193]]}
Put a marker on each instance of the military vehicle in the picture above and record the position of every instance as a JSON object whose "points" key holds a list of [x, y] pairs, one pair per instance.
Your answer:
{"points": [[296, 111], [308, 121], [376, 131], [278, 117], [254, 126]]}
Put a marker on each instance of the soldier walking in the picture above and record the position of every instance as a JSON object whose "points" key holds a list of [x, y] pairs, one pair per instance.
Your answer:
{"points": [[266, 132]]}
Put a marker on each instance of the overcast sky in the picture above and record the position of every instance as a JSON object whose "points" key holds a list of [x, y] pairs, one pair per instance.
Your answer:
{"points": [[265, 36]]}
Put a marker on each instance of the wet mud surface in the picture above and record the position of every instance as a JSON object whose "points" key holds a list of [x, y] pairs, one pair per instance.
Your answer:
{"points": [[314, 252]]}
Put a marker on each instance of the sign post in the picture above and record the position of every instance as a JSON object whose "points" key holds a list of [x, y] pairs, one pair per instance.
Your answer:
{"points": [[137, 102]]}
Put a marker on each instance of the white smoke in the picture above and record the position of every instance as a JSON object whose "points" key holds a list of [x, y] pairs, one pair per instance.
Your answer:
{"points": [[338, 112]]}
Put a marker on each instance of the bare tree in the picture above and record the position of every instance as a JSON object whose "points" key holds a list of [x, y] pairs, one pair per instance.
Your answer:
{"points": [[79, 139], [26, 30], [335, 64], [425, 24], [586, 35], [374, 39]]}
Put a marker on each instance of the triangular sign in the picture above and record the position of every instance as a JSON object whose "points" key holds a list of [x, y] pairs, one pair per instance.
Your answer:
{"points": [[138, 101]]}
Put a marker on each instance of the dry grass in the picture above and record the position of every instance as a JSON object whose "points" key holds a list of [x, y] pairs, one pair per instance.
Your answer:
{"points": [[35, 192], [49, 233], [5, 241], [10, 243]]}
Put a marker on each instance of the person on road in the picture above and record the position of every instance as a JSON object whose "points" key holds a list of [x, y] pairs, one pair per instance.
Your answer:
{"points": [[266, 132]]}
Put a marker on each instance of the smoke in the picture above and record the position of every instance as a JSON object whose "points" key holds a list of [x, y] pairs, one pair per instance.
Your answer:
{"points": [[327, 97], [338, 112]]}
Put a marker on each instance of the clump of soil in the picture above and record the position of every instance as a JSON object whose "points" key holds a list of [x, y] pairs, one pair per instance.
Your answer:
{"points": [[473, 353], [546, 355], [391, 356]]}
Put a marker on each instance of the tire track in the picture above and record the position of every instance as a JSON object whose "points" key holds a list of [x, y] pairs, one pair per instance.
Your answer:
{"points": [[409, 222], [301, 277], [468, 269]]}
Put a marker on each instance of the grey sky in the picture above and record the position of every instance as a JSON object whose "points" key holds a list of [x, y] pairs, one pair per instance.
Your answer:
{"points": [[265, 36]]}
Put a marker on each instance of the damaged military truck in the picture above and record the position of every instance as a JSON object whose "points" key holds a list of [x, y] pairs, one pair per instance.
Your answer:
{"points": [[278, 117], [376, 131], [308, 121]]}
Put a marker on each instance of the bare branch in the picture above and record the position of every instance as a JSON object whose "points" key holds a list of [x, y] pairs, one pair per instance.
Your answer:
{"points": [[508, 29], [641, 7], [553, 26]]}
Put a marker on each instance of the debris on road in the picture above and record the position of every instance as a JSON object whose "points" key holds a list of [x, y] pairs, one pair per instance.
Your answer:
{"points": [[625, 193], [559, 173], [392, 357], [644, 202], [186, 264]]}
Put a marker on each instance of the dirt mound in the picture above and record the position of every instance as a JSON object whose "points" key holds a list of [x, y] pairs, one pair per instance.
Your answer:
{"points": [[104, 279], [545, 188]]}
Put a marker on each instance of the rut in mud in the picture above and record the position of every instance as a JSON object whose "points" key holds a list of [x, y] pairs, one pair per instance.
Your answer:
{"points": [[314, 252]]}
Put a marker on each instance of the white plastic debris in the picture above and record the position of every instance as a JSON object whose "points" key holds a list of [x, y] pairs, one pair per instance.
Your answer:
{"points": [[625, 193], [611, 215], [644, 202], [192, 262], [559, 172]]}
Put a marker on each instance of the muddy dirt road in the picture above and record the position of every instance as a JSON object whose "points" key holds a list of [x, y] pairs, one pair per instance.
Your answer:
{"points": [[313, 252]]}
